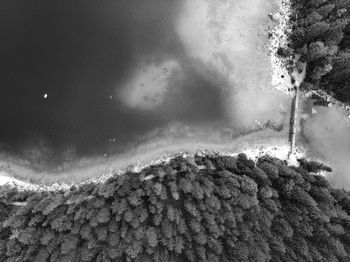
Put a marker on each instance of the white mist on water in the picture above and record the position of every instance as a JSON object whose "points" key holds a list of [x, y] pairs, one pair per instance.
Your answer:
{"points": [[328, 135], [232, 37]]}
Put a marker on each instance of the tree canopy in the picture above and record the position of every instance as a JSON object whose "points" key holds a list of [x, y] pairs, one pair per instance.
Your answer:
{"points": [[321, 36], [232, 210]]}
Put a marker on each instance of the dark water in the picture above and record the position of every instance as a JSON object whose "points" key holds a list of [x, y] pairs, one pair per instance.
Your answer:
{"points": [[78, 53]]}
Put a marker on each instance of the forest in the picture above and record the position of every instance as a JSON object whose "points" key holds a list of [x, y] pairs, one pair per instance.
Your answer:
{"points": [[195, 208], [321, 37]]}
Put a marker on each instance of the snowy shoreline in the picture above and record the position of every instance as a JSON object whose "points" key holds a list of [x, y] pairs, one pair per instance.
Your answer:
{"points": [[280, 152], [254, 146]]}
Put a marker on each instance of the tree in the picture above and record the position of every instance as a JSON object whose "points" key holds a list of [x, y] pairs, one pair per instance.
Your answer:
{"points": [[87, 254], [54, 202], [248, 185], [152, 237], [103, 216], [313, 166], [174, 191], [325, 10], [102, 233], [262, 212], [185, 185], [43, 255], [70, 243], [61, 223], [27, 235], [107, 189]]}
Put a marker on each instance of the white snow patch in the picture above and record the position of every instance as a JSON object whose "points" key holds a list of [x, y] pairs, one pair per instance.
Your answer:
{"points": [[7, 180], [280, 39], [280, 152]]}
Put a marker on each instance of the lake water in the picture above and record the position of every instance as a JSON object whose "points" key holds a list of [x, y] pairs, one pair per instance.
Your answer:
{"points": [[93, 77]]}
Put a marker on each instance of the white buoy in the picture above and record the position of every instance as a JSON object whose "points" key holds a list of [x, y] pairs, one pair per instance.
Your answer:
{"points": [[45, 96]]}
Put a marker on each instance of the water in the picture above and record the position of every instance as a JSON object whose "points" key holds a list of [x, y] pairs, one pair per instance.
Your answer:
{"points": [[92, 77]]}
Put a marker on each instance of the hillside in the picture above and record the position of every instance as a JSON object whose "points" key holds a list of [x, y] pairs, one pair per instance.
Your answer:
{"points": [[212, 208]]}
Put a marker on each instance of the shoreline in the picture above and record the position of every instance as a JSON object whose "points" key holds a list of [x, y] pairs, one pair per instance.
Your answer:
{"points": [[254, 145]]}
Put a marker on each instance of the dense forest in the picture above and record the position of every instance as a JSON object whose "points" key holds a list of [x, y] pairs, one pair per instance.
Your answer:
{"points": [[212, 208], [321, 36]]}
